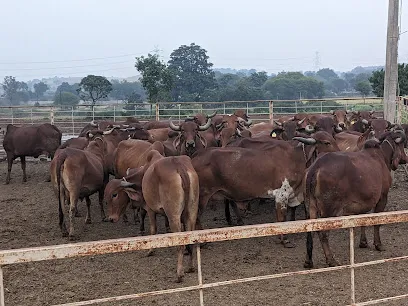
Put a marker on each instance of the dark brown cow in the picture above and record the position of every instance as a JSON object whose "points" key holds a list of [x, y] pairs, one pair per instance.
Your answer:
{"points": [[287, 130], [30, 141], [351, 141], [242, 174], [76, 143], [166, 185], [359, 120], [326, 124], [380, 126], [156, 124], [79, 174], [231, 127], [189, 140], [348, 183]]}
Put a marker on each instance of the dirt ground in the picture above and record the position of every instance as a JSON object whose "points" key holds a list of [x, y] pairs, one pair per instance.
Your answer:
{"points": [[29, 218]]}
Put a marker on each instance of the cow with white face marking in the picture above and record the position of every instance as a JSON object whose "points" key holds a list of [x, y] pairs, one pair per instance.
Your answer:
{"points": [[275, 171]]}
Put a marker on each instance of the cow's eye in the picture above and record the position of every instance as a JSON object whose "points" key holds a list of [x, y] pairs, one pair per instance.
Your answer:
{"points": [[114, 195]]}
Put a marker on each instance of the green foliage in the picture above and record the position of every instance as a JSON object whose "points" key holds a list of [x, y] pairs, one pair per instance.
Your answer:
{"points": [[15, 91], [94, 88], [156, 77], [289, 85], [68, 88], [40, 89], [377, 81], [192, 72], [66, 98], [327, 74], [257, 79], [127, 91], [363, 87]]}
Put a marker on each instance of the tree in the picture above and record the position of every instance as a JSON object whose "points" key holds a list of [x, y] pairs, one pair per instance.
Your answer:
{"points": [[40, 89], [94, 88], [377, 81], [10, 88], [192, 72], [68, 88], [156, 77], [65, 98], [257, 79], [126, 90], [327, 74], [363, 87]]}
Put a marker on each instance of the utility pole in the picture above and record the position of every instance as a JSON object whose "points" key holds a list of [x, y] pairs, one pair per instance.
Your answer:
{"points": [[391, 62]]}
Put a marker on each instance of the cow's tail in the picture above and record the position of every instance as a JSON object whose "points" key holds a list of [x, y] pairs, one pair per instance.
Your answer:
{"points": [[310, 185], [59, 163], [186, 185]]}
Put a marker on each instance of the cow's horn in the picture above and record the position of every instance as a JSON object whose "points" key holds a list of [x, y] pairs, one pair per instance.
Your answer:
{"points": [[332, 112], [355, 112], [174, 127], [239, 133], [301, 121], [371, 111], [127, 171], [308, 141], [277, 122], [309, 128], [398, 140], [108, 132], [90, 135], [125, 125], [126, 184], [347, 111], [364, 121], [212, 115], [247, 122], [205, 126], [93, 123]]}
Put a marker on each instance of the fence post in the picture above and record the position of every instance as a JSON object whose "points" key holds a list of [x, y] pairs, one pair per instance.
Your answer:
{"points": [[224, 108], [114, 113], [296, 111], [247, 108], [12, 115], [52, 115], [93, 112], [72, 119], [135, 111], [157, 112], [321, 107], [352, 283], [271, 111], [31, 115], [1, 287]]}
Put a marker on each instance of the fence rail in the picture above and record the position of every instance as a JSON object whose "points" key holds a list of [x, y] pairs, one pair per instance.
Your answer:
{"points": [[15, 256]]}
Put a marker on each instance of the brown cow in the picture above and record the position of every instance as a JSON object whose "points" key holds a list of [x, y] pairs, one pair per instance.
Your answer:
{"points": [[166, 185], [76, 143], [275, 171], [79, 174], [340, 118], [326, 124], [156, 124], [287, 130], [189, 140], [350, 141], [231, 127], [263, 128], [29, 141], [348, 183]]}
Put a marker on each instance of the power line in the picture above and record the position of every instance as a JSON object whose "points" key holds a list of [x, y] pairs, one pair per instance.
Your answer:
{"points": [[64, 67], [67, 61]]}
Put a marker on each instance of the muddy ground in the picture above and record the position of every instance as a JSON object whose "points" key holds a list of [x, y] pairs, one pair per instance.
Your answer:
{"points": [[29, 218]]}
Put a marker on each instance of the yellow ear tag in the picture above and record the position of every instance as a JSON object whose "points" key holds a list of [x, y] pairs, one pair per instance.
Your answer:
{"points": [[273, 135], [354, 121]]}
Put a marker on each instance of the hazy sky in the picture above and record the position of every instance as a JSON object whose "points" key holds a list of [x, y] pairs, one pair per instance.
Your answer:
{"points": [[68, 38]]}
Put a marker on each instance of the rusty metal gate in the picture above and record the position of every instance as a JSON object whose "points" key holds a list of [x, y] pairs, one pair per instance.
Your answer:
{"points": [[8, 257]]}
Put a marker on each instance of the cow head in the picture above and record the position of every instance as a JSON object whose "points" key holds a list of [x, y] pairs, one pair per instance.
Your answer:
{"points": [[118, 194], [201, 118], [230, 128], [319, 142], [138, 133], [392, 145], [379, 126], [340, 118], [288, 129], [241, 113], [189, 139], [326, 124]]}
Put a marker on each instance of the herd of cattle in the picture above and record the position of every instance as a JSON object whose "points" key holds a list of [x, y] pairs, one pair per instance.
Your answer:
{"points": [[336, 164]]}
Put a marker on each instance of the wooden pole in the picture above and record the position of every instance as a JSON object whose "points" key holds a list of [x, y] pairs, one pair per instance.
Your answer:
{"points": [[391, 62]]}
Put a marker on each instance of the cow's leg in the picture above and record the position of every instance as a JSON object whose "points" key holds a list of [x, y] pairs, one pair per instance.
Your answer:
{"points": [[363, 238], [175, 226], [189, 224], [292, 213], [62, 197], [136, 211], [73, 199], [153, 226], [88, 211], [23, 167], [100, 194], [379, 208], [10, 159], [309, 214], [324, 240], [281, 217], [227, 211], [125, 218], [142, 220], [237, 213], [166, 224]]}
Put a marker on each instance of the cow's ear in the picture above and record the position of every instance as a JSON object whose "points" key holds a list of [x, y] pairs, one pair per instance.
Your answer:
{"points": [[203, 140], [133, 194], [176, 142]]}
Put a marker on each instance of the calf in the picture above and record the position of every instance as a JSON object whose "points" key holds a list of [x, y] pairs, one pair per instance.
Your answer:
{"points": [[79, 174], [29, 141], [166, 185], [348, 183]]}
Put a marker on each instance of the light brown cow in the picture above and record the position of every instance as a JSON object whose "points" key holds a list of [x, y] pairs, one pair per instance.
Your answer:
{"points": [[166, 185]]}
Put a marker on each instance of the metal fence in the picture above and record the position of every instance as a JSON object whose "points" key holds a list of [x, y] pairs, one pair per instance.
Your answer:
{"points": [[71, 119], [15, 256]]}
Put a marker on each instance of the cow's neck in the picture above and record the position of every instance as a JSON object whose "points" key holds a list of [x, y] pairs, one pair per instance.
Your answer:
{"points": [[387, 150]]}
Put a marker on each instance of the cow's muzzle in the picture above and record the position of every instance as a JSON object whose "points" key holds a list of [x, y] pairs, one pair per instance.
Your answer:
{"points": [[190, 144]]}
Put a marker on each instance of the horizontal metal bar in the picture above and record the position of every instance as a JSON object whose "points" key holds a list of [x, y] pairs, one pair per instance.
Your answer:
{"points": [[387, 299], [210, 235], [379, 261]]}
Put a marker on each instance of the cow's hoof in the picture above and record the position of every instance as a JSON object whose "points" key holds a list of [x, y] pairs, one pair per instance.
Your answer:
{"points": [[333, 263], [190, 270], [363, 245], [179, 279], [308, 264], [88, 221], [24, 180], [379, 247], [288, 244]]}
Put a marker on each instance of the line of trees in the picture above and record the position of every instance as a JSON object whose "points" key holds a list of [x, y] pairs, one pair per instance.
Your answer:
{"points": [[189, 76]]}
